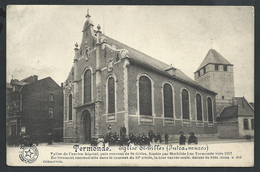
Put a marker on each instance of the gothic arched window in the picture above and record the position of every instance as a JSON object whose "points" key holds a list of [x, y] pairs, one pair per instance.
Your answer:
{"points": [[168, 100], [145, 96], [210, 114], [199, 107], [87, 86], [111, 95], [70, 107], [185, 104]]}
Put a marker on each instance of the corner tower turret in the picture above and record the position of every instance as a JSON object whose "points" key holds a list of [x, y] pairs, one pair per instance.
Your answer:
{"points": [[216, 73]]}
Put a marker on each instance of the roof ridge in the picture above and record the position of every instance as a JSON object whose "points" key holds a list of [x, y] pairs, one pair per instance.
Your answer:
{"points": [[213, 57], [139, 51], [152, 62]]}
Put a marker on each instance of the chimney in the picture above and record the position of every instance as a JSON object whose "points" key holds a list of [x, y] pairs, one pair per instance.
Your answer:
{"points": [[34, 78]]}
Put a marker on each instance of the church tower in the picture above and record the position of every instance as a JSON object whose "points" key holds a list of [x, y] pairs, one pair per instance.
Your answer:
{"points": [[216, 73]]}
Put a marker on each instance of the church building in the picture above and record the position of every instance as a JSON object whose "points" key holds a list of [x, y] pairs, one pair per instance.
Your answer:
{"points": [[112, 83]]}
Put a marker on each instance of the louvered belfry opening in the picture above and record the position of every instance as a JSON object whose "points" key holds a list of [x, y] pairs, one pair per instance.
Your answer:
{"points": [[111, 95], [145, 96], [199, 107], [87, 86], [168, 100], [185, 104]]}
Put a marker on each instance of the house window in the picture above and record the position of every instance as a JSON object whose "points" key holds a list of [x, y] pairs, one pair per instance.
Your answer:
{"points": [[145, 96], [111, 95], [50, 112], [216, 67], [185, 104], [87, 86], [199, 107], [246, 124], [252, 124], [70, 107], [225, 68], [51, 97], [210, 114], [168, 100], [223, 97]]}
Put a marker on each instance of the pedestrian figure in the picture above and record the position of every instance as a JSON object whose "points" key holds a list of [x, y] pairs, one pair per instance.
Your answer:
{"points": [[124, 130], [123, 134], [135, 139], [182, 139], [109, 128], [158, 138], [50, 139], [166, 136], [192, 138], [150, 135]]}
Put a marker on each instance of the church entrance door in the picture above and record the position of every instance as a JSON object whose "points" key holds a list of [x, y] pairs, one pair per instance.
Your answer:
{"points": [[86, 117]]}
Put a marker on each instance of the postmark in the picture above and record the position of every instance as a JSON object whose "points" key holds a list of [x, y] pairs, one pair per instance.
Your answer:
{"points": [[28, 154]]}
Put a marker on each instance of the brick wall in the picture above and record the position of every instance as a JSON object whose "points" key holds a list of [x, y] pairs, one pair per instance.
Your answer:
{"points": [[157, 126]]}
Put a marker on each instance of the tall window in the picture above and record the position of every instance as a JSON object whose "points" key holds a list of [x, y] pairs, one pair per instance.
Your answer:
{"points": [[70, 107], [252, 124], [210, 115], [199, 107], [87, 86], [185, 104], [50, 112], [145, 96], [246, 124], [111, 95], [168, 100]]}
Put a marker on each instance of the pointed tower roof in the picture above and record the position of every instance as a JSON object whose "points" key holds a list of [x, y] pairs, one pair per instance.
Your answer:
{"points": [[213, 57]]}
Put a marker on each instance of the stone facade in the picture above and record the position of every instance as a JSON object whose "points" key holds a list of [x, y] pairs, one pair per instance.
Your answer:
{"points": [[107, 58]]}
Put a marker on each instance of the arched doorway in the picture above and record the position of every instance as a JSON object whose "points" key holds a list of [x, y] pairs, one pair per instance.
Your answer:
{"points": [[86, 119]]}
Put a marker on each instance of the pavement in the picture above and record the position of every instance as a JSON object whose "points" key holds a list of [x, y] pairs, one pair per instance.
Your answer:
{"points": [[200, 141]]}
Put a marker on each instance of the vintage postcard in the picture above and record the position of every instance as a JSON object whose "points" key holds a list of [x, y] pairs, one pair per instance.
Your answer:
{"points": [[162, 86]]}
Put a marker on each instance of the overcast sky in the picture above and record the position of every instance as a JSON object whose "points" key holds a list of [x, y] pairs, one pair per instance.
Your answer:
{"points": [[41, 39]]}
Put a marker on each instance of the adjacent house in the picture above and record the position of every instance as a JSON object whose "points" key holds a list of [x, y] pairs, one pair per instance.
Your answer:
{"points": [[34, 107], [236, 121]]}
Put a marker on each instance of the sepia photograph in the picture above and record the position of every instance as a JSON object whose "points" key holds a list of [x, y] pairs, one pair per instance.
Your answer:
{"points": [[158, 86]]}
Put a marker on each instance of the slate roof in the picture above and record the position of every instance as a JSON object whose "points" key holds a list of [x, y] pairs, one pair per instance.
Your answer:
{"points": [[153, 63], [17, 82], [48, 79], [213, 57], [229, 112], [243, 108]]}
